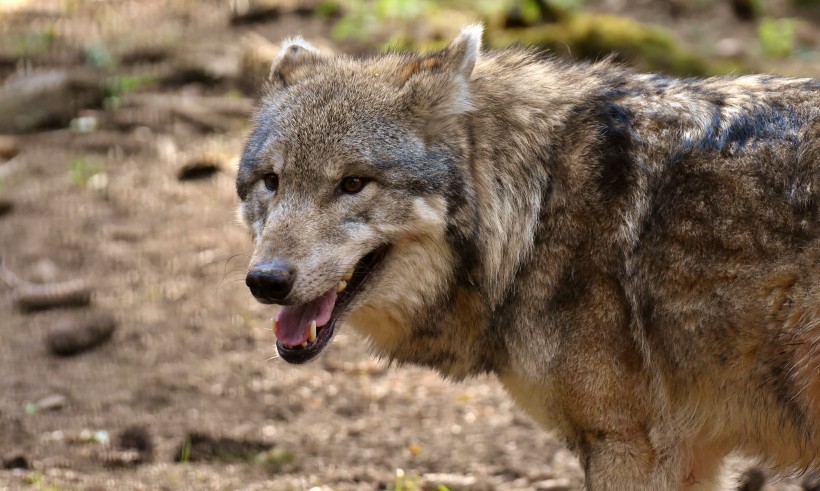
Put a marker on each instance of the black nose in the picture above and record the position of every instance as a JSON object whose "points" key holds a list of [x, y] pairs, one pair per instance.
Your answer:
{"points": [[271, 282]]}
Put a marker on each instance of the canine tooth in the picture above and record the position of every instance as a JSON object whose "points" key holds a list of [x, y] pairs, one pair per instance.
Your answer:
{"points": [[312, 335], [342, 286], [348, 275]]}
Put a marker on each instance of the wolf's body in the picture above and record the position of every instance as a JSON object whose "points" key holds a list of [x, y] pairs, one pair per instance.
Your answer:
{"points": [[636, 257]]}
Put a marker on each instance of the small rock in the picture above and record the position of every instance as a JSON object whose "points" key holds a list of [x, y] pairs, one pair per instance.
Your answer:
{"points": [[9, 148], [84, 124], [32, 297], [453, 482], [35, 99], [118, 459], [15, 462], [729, 48], [44, 270], [559, 484], [74, 334], [53, 402], [92, 436]]}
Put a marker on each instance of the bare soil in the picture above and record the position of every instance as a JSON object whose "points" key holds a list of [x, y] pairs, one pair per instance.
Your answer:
{"points": [[188, 392]]}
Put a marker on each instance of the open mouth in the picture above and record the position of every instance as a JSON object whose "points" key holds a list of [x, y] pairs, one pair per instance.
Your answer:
{"points": [[304, 331]]}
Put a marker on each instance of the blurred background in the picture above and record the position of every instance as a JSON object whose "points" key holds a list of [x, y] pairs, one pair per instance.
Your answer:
{"points": [[132, 355]]}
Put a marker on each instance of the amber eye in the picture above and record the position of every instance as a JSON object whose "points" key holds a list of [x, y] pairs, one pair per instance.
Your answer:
{"points": [[271, 182], [352, 185]]}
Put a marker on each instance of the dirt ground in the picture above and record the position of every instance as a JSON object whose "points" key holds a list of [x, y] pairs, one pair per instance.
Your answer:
{"points": [[188, 393]]}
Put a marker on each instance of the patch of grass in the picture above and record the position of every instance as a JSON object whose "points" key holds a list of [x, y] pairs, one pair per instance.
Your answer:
{"points": [[80, 170], [275, 460], [557, 25], [327, 9], [199, 447], [97, 55], [34, 43], [363, 18], [185, 452], [595, 36], [37, 481], [119, 86], [405, 482], [125, 84], [776, 37]]}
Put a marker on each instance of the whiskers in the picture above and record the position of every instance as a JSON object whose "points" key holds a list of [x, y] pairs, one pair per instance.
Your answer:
{"points": [[234, 275]]}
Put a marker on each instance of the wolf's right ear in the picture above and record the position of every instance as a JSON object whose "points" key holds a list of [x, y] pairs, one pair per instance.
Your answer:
{"points": [[294, 59]]}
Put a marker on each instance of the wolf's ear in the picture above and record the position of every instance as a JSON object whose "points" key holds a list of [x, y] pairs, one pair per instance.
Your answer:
{"points": [[461, 55], [294, 59], [437, 85]]}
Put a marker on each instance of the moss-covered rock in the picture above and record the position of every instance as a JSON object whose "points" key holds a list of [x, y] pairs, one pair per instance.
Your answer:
{"points": [[595, 36]]}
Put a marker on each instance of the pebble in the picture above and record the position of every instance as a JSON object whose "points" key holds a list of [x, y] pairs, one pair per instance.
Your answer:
{"points": [[729, 48], [33, 297], [453, 482], [559, 484], [73, 334], [53, 402], [118, 459], [9, 148]]}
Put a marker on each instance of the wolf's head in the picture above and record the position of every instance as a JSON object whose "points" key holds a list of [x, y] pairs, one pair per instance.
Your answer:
{"points": [[353, 185]]}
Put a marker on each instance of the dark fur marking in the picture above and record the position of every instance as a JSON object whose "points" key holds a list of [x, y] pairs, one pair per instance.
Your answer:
{"points": [[570, 290], [617, 171], [762, 124]]}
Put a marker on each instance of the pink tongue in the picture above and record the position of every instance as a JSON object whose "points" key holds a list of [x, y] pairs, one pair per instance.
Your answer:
{"points": [[293, 322]]}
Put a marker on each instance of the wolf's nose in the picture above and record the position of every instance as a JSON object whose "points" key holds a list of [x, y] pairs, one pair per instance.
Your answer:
{"points": [[271, 282]]}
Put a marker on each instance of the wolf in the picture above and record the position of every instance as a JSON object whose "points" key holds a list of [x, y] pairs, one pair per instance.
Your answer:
{"points": [[636, 257]]}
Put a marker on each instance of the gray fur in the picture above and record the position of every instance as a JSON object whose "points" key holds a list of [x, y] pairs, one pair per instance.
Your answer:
{"points": [[636, 257]]}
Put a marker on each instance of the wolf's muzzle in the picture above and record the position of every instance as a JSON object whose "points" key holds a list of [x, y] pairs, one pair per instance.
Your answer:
{"points": [[271, 282]]}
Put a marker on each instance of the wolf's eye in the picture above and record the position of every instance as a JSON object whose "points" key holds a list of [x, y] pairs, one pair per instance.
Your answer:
{"points": [[271, 182], [352, 185]]}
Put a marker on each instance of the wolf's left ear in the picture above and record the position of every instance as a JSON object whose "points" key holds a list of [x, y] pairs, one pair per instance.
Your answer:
{"points": [[294, 60], [437, 86]]}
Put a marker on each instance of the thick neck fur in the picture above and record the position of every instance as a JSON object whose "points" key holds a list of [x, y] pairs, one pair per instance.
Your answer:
{"points": [[522, 107], [564, 160]]}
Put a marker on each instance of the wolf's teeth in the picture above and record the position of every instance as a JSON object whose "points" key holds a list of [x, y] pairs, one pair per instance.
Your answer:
{"points": [[312, 335], [304, 345], [342, 286], [348, 275]]}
